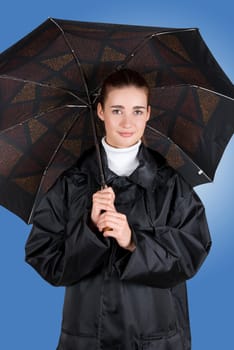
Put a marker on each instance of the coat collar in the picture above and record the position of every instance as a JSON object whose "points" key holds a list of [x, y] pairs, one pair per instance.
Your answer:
{"points": [[144, 175]]}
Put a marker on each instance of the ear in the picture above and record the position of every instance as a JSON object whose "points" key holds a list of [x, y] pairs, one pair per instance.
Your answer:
{"points": [[100, 111], [148, 112]]}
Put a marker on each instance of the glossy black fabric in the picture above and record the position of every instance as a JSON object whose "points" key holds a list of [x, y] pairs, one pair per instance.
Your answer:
{"points": [[116, 299]]}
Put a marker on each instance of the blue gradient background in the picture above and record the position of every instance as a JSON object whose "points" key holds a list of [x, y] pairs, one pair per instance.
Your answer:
{"points": [[31, 309]]}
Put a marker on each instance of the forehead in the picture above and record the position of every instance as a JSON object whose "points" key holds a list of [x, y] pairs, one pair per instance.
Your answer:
{"points": [[127, 95]]}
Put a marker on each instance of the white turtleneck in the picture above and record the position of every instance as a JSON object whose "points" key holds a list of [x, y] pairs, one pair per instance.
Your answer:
{"points": [[122, 161]]}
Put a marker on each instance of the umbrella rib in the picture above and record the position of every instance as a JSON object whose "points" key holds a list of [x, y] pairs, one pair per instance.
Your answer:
{"points": [[38, 116], [144, 41], [49, 164], [200, 171], [135, 51], [89, 101], [43, 85], [149, 37], [75, 57], [196, 87], [192, 86]]}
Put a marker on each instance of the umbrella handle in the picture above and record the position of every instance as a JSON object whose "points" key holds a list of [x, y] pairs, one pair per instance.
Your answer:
{"points": [[106, 228], [103, 211]]}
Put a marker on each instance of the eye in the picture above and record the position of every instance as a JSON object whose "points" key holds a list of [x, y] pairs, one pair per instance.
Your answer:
{"points": [[138, 112], [116, 111]]}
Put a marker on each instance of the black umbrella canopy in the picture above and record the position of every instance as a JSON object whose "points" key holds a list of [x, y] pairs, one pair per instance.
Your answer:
{"points": [[49, 84], [190, 126]]}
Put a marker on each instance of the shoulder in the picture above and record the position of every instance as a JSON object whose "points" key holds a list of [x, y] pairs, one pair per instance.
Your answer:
{"points": [[78, 174], [159, 165], [168, 176], [73, 181]]}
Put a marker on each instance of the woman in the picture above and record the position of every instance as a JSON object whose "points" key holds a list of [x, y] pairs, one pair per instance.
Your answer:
{"points": [[123, 252]]}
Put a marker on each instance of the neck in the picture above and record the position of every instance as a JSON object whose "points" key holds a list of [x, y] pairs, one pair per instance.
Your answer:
{"points": [[122, 161]]}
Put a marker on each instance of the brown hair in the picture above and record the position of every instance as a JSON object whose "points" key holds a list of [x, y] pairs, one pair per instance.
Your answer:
{"points": [[122, 78]]}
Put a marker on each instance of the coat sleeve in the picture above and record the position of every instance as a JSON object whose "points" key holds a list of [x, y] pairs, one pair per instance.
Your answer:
{"points": [[61, 246], [174, 247]]}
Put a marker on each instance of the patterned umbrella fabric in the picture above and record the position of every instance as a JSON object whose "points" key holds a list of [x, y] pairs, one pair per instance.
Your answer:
{"points": [[49, 85]]}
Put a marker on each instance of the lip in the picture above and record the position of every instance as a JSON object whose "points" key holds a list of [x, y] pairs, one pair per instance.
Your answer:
{"points": [[126, 134]]}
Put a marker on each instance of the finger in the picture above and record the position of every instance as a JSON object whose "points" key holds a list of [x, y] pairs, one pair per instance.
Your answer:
{"points": [[109, 215], [103, 206], [109, 233], [112, 224], [103, 199], [112, 216], [106, 191]]}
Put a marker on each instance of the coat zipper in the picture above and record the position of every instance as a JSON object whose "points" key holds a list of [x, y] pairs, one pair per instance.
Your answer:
{"points": [[99, 330], [148, 208], [106, 275], [111, 257]]}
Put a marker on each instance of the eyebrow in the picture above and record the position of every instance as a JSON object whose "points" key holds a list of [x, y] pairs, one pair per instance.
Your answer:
{"points": [[122, 107]]}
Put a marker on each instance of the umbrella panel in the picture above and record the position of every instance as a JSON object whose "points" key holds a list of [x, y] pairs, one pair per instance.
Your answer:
{"points": [[36, 152], [190, 126]]}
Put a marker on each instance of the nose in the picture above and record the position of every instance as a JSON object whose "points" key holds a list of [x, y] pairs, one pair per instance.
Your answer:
{"points": [[126, 121]]}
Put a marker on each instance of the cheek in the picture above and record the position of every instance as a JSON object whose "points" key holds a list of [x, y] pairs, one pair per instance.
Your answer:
{"points": [[109, 125], [141, 125]]}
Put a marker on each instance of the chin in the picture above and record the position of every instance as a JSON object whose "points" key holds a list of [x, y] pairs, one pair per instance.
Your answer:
{"points": [[122, 142]]}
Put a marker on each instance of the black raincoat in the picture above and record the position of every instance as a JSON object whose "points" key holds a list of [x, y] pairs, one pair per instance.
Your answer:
{"points": [[117, 299]]}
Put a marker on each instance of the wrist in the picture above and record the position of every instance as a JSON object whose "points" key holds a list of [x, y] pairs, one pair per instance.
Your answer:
{"points": [[131, 247]]}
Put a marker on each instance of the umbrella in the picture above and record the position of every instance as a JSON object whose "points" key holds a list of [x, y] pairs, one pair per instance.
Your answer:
{"points": [[49, 84]]}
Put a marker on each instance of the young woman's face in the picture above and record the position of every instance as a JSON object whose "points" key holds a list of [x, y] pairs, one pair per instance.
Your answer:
{"points": [[125, 114]]}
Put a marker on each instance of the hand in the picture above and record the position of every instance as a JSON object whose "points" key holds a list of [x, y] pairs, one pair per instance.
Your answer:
{"points": [[103, 200], [119, 228]]}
